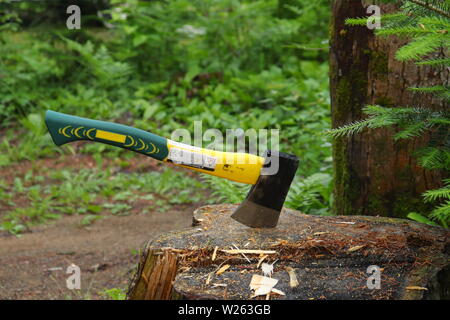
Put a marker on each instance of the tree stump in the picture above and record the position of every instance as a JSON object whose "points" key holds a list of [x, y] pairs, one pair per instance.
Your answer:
{"points": [[329, 257]]}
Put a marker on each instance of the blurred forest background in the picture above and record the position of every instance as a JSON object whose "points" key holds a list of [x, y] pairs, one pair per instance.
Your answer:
{"points": [[159, 66]]}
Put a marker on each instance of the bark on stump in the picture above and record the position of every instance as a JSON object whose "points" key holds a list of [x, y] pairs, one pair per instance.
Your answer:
{"points": [[329, 255]]}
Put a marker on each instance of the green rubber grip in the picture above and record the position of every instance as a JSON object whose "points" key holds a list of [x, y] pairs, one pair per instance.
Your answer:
{"points": [[65, 128]]}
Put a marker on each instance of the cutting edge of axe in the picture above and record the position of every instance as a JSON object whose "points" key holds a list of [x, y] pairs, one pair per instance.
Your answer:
{"points": [[263, 204]]}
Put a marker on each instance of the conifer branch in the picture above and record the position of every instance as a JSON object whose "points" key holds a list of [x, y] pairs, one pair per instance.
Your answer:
{"points": [[428, 6]]}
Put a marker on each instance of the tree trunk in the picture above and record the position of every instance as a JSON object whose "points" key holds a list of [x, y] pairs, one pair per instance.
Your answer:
{"points": [[374, 175], [328, 256]]}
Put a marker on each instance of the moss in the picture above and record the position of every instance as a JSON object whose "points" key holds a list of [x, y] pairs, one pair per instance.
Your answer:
{"points": [[331, 30], [379, 63], [376, 206], [341, 177], [343, 98], [404, 203], [392, 220], [350, 92], [397, 205], [384, 102]]}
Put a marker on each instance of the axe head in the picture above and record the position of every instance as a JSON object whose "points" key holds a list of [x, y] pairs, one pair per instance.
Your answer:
{"points": [[262, 206]]}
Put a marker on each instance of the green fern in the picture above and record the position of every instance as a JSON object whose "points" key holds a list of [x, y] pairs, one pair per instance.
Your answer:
{"points": [[442, 214], [434, 62], [438, 194], [312, 194], [225, 190], [433, 158], [442, 211], [419, 47]]}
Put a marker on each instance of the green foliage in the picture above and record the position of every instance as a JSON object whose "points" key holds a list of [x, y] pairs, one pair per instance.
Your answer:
{"points": [[54, 72], [114, 294], [427, 25], [225, 190], [32, 13], [188, 37], [313, 194], [160, 66], [443, 196], [420, 218], [34, 142], [93, 193]]}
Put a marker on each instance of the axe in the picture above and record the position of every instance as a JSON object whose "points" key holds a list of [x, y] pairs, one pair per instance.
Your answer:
{"points": [[262, 206]]}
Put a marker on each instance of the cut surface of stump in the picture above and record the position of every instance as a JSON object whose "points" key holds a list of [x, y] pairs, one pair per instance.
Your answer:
{"points": [[313, 257]]}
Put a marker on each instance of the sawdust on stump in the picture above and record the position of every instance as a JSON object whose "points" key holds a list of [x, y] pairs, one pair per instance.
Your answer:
{"points": [[327, 256]]}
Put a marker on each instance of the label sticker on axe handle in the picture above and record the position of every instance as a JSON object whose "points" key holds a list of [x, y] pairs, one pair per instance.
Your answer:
{"points": [[192, 159]]}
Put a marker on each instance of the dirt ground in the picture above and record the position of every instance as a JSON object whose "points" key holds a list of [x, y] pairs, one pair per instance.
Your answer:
{"points": [[34, 265]]}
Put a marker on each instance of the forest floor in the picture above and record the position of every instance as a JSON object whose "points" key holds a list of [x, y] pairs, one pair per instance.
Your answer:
{"points": [[34, 262]]}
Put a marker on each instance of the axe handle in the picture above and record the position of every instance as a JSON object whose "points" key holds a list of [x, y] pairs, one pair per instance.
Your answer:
{"points": [[240, 167], [66, 128]]}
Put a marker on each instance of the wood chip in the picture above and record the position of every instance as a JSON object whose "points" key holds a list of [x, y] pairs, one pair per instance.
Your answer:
{"points": [[248, 260], [214, 253], [219, 285], [219, 268], [345, 222], [416, 288], [262, 285], [261, 260], [249, 251], [276, 291], [319, 233], [355, 248], [54, 269], [223, 269], [267, 269], [293, 282], [208, 280]]}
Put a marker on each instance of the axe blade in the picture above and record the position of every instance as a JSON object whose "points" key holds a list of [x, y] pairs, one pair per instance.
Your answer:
{"points": [[262, 206]]}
